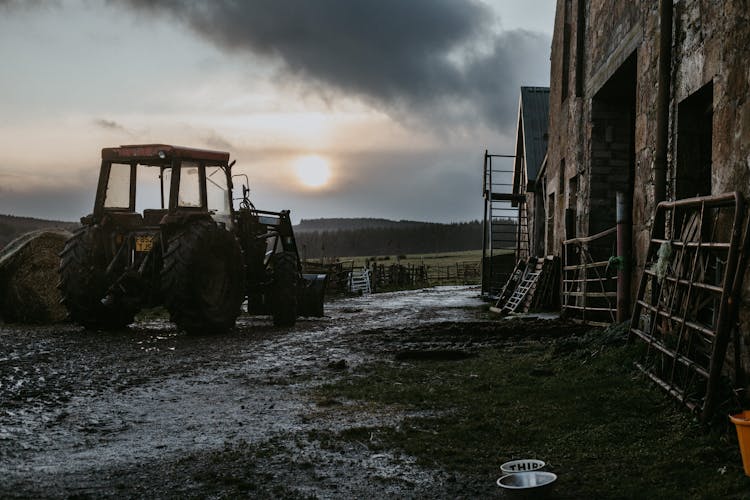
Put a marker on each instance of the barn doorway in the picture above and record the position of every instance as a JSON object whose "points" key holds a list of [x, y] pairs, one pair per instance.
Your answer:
{"points": [[694, 144], [612, 145]]}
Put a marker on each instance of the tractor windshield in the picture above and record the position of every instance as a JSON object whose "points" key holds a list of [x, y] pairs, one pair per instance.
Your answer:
{"points": [[217, 191], [189, 195], [166, 186], [147, 195], [118, 187]]}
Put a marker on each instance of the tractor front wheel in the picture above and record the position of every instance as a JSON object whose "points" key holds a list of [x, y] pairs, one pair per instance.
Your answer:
{"points": [[202, 278]]}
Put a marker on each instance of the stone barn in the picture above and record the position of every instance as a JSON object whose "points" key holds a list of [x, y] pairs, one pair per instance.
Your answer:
{"points": [[649, 99]]}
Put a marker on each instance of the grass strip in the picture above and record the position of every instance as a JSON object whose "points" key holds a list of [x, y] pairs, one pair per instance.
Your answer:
{"points": [[576, 403]]}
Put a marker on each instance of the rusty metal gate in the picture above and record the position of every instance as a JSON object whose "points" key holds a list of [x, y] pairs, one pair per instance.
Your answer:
{"points": [[589, 283], [686, 300]]}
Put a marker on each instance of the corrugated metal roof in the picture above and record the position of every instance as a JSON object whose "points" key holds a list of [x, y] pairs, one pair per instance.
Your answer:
{"points": [[534, 121]]}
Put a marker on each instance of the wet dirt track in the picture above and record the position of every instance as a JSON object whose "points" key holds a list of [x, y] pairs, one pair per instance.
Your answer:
{"points": [[136, 412]]}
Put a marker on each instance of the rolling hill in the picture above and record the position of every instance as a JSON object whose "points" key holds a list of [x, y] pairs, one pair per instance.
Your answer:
{"points": [[12, 226]]}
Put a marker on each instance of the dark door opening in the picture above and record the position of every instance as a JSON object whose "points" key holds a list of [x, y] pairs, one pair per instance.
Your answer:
{"points": [[612, 145], [694, 144]]}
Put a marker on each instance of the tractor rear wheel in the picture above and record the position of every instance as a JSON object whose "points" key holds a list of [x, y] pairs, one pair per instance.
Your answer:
{"points": [[83, 283], [284, 289], [202, 278]]}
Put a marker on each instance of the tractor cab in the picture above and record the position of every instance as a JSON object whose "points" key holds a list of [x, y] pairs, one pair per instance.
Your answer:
{"points": [[155, 184]]}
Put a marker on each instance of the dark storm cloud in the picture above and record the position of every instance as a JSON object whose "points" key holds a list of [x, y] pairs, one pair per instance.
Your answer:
{"points": [[519, 58], [108, 124], [214, 140], [407, 57]]}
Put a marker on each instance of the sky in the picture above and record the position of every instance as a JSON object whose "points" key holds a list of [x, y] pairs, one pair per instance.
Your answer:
{"points": [[391, 102]]}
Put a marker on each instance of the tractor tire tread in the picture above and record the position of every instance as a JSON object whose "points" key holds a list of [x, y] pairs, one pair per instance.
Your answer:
{"points": [[182, 283]]}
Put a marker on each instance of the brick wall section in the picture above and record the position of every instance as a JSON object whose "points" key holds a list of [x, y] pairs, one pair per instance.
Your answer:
{"points": [[610, 164]]}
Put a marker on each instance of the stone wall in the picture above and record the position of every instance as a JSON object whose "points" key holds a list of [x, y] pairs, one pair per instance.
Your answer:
{"points": [[710, 44]]}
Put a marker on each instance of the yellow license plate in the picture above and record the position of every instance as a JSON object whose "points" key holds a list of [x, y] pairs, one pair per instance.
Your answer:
{"points": [[144, 243]]}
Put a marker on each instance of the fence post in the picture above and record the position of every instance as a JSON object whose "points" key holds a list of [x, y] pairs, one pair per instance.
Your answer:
{"points": [[624, 245], [583, 248]]}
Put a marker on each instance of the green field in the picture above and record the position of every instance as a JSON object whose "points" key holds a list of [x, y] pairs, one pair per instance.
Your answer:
{"points": [[430, 259]]}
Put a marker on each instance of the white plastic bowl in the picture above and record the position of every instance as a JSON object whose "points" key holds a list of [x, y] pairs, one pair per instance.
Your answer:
{"points": [[527, 480]]}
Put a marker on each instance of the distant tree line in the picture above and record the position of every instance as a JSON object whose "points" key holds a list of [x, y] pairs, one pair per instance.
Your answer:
{"points": [[393, 240], [337, 224]]}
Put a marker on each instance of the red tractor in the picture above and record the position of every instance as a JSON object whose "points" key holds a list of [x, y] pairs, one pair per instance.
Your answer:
{"points": [[196, 254]]}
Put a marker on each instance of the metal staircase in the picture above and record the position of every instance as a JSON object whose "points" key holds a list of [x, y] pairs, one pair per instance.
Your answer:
{"points": [[505, 223]]}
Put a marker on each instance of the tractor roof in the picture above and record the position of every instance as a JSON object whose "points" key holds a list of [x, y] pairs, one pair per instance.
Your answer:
{"points": [[162, 154]]}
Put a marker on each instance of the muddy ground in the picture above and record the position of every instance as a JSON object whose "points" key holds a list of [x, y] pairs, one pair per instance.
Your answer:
{"points": [[151, 411], [415, 394]]}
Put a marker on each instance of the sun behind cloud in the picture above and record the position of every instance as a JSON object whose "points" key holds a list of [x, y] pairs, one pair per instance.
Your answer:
{"points": [[312, 171]]}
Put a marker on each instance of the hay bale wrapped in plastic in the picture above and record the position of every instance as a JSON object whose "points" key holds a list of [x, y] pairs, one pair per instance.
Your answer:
{"points": [[29, 276]]}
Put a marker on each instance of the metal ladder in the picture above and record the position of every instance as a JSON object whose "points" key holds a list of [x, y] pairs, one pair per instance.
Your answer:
{"points": [[520, 293]]}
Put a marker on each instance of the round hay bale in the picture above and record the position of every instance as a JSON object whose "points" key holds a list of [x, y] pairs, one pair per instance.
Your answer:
{"points": [[28, 278]]}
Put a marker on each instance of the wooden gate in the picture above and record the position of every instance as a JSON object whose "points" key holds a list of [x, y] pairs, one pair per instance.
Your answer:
{"points": [[589, 281]]}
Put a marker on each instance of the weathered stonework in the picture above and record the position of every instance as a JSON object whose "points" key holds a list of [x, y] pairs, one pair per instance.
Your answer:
{"points": [[588, 127]]}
